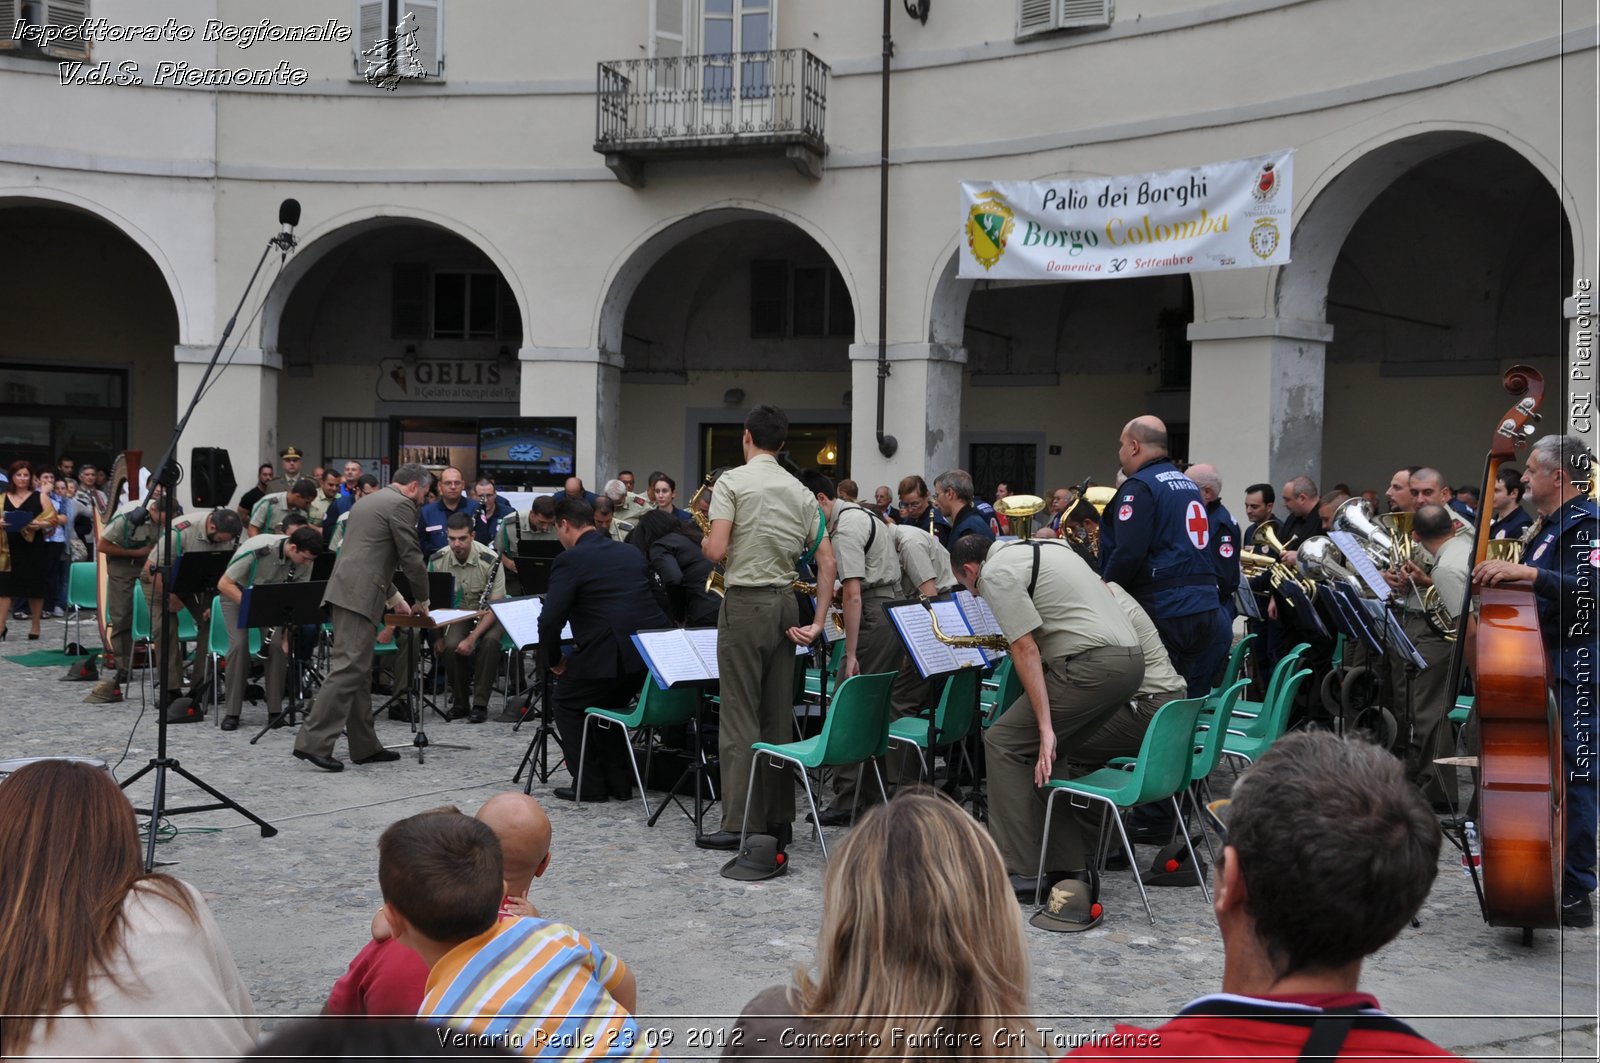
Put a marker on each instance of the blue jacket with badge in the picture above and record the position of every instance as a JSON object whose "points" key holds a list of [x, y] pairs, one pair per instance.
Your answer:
{"points": [[431, 525], [1153, 539], [1566, 551], [1223, 550]]}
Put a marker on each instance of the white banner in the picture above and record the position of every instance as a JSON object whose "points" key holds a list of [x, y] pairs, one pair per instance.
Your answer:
{"points": [[1228, 215]]}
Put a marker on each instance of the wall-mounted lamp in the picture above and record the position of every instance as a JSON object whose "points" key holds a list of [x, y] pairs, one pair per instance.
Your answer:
{"points": [[828, 455], [733, 397], [918, 9], [410, 356]]}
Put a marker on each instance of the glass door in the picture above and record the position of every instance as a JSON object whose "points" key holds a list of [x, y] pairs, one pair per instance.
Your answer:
{"points": [[736, 73]]}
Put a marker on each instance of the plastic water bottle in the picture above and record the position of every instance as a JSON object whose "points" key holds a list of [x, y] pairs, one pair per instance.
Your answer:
{"points": [[1474, 854]]}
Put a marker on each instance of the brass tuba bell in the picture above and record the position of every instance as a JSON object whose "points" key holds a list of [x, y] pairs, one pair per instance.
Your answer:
{"points": [[1355, 518], [1019, 510]]}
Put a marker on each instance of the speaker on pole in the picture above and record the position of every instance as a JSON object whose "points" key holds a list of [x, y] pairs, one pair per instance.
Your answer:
{"points": [[211, 479]]}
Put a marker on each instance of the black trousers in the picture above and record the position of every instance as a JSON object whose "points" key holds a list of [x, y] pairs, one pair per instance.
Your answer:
{"points": [[607, 771]]}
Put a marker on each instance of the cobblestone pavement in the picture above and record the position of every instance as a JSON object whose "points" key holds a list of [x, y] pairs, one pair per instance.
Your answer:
{"points": [[295, 907]]}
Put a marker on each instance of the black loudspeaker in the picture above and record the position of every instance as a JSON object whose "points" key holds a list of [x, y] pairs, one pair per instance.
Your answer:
{"points": [[211, 481]]}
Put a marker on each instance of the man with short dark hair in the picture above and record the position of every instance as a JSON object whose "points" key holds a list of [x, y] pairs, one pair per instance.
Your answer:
{"points": [[953, 494], [1398, 493], [602, 588], [1510, 519], [492, 509], [471, 566], [381, 536], [1154, 547], [1258, 500], [1304, 503], [291, 459], [537, 525], [322, 504], [193, 533], [1429, 487], [266, 516], [261, 559], [1328, 855], [527, 982], [248, 500]]}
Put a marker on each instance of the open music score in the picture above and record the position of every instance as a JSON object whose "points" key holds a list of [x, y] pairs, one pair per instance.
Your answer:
{"points": [[520, 619], [931, 656], [676, 656], [980, 618], [1362, 564]]}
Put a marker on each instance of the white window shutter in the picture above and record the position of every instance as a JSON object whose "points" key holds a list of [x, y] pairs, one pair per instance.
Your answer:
{"points": [[430, 33], [1036, 16], [370, 19], [8, 21], [671, 23], [67, 13], [1085, 14]]}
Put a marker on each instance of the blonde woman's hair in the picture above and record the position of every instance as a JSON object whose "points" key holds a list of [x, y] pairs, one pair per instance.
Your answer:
{"points": [[920, 933]]}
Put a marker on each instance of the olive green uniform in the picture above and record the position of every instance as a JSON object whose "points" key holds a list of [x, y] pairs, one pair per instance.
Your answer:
{"points": [[515, 530], [188, 537], [1093, 666], [922, 558], [625, 515], [1429, 736], [319, 509], [774, 521], [864, 549], [268, 513], [471, 577], [121, 575], [259, 560]]}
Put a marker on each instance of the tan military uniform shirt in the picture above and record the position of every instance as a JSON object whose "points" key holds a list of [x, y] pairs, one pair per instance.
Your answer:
{"points": [[117, 530], [922, 557], [1450, 568], [471, 575], [517, 529], [631, 509], [319, 508], [1161, 681], [775, 520], [864, 548], [261, 559], [1070, 610], [189, 537], [269, 512]]}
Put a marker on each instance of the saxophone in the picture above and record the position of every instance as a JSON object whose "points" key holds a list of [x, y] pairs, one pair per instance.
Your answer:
{"points": [[714, 582]]}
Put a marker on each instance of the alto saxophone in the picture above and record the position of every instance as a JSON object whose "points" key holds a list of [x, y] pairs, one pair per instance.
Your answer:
{"points": [[714, 582], [981, 642]]}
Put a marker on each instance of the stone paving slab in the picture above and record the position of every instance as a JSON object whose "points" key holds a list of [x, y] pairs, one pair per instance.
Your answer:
{"points": [[296, 907]]}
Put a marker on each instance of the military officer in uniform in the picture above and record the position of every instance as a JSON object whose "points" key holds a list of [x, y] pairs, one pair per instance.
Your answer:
{"points": [[762, 519], [924, 572], [472, 565], [260, 560], [267, 514], [537, 525], [290, 457], [1080, 663], [869, 578], [381, 536], [627, 508], [125, 543], [196, 533], [323, 504]]}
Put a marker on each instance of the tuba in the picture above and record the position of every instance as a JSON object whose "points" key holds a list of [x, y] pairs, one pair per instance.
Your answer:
{"points": [[1019, 510], [1319, 559], [1355, 517]]}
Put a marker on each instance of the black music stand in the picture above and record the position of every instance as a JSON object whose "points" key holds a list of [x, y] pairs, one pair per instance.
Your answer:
{"points": [[518, 618], [441, 589], [533, 570], [196, 575], [424, 628], [290, 605], [698, 766]]}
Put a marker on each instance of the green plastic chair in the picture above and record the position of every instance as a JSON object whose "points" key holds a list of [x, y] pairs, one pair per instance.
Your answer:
{"points": [[655, 708], [1230, 675], [1160, 772], [1008, 688], [141, 615], [952, 722], [1210, 730], [1247, 711], [1271, 724], [217, 649], [813, 676], [855, 729], [81, 594], [1463, 709]]}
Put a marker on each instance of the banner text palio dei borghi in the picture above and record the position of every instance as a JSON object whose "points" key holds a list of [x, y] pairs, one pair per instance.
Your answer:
{"points": [[1226, 215]]}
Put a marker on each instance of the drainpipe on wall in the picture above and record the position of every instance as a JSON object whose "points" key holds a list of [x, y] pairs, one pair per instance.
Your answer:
{"points": [[887, 445]]}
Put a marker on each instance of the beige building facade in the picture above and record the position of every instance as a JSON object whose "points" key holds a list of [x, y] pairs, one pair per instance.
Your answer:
{"points": [[648, 215]]}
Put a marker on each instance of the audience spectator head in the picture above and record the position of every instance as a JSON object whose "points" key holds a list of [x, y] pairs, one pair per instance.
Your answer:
{"points": [[522, 826], [767, 427], [442, 874]]}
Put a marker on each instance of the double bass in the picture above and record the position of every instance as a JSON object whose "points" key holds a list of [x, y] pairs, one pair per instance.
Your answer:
{"points": [[1521, 788]]}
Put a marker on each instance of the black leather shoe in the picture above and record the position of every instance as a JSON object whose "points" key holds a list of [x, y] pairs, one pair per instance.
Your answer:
{"points": [[1026, 887], [325, 763], [382, 756], [833, 817], [459, 712], [723, 839], [479, 714], [570, 793], [1152, 835], [1577, 912], [230, 723]]}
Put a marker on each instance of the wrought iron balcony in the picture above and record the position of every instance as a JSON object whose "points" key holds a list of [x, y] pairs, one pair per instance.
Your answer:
{"points": [[696, 106]]}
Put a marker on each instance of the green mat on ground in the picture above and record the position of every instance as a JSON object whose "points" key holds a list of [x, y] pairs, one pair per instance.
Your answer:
{"points": [[42, 659]]}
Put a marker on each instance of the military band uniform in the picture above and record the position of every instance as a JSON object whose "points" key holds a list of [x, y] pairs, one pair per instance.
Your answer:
{"points": [[121, 575], [625, 515], [864, 549], [188, 537], [267, 515], [1093, 666], [922, 558], [321, 506], [260, 560], [1430, 736], [774, 521], [381, 536], [470, 690], [514, 531]]}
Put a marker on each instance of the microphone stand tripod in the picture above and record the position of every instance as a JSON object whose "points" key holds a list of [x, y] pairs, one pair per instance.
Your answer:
{"points": [[166, 477]]}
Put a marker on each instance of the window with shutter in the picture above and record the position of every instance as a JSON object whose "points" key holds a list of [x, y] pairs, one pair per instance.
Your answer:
{"points": [[1036, 16], [8, 20], [1085, 14], [372, 21], [53, 13], [1046, 16]]}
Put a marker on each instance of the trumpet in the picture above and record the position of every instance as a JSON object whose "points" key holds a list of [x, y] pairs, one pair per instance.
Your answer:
{"points": [[978, 642], [1274, 567]]}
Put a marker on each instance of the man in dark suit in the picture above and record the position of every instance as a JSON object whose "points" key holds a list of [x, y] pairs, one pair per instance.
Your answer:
{"points": [[380, 535], [602, 587]]}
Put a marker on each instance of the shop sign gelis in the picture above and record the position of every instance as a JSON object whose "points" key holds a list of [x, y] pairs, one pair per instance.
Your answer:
{"points": [[1227, 215], [448, 380]]}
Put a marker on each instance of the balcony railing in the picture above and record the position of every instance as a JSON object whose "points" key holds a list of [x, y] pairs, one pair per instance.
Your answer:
{"points": [[696, 105]]}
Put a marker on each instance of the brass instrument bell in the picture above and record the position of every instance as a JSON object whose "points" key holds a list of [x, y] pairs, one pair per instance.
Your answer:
{"points": [[1019, 510]]}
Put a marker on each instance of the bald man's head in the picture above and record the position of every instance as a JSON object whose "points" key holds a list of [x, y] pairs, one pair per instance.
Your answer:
{"points": [[524, 833], [1144, 439], [1206, 478]]}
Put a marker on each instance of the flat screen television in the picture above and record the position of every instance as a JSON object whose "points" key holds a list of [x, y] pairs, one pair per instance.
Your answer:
{"points": [[531, 451]]}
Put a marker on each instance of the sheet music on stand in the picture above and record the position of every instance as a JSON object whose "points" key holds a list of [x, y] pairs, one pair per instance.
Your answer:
{"points": [[1361, 563], [1304, 610], [980, 619], [1244, 602], [679, 656], [1394, 632], [446, 617], [1353, 621], [932, 657], [520, 619]]}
